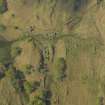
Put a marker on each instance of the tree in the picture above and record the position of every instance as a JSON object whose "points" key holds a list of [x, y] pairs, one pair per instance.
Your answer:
{"points": [[3, 6], [39, 99], [28, 69], [60, 66], [28, 87], [19, 75], [11, 75], [16, 78]]}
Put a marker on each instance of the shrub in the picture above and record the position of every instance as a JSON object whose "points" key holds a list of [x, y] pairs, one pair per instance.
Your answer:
{"points": [[39, 99]]}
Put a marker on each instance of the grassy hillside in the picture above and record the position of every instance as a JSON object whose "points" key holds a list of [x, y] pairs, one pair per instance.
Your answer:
{"points": [[52, 52]]}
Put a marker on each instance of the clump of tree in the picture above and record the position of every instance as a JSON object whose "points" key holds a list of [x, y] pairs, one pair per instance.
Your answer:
{"points": [[16, 77], [30, 87], [40, 98], [28, 69], [3, 6], [60, 67]]}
